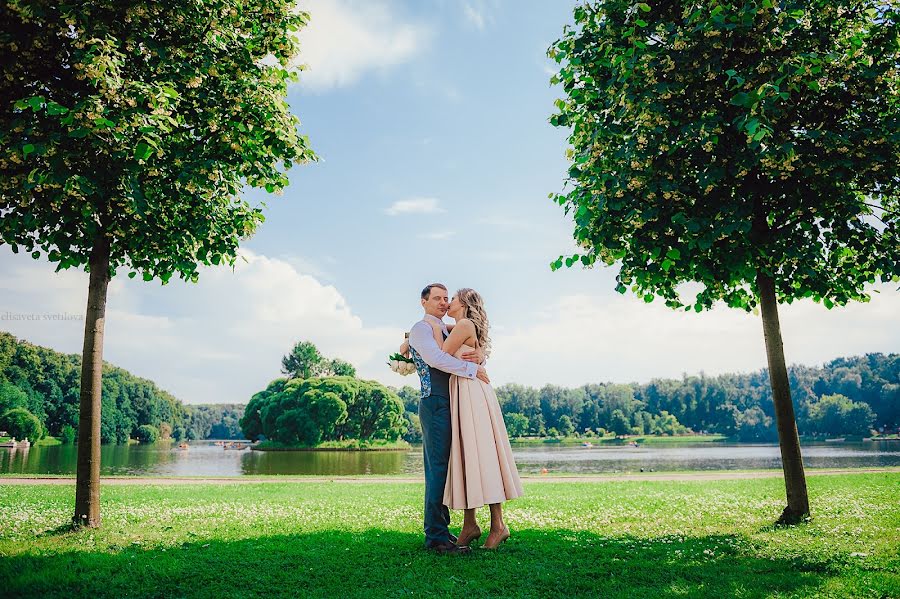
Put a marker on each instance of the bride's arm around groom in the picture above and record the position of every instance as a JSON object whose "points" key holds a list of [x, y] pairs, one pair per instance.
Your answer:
{"points": [[421, 339]]}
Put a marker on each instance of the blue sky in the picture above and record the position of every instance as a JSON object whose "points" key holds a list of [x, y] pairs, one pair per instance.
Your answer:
{"points": [[430, 119]]}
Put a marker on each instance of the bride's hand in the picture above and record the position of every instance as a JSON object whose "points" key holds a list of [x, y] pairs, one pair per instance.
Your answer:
{"points": [[475, 355], [404, 349]]}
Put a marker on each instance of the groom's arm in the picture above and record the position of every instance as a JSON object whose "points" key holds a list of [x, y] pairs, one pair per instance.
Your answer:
{"points": [[422, 340]]}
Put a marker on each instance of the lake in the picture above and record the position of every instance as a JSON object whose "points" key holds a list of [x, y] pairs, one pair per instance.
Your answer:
{"points": [[203, 458]]}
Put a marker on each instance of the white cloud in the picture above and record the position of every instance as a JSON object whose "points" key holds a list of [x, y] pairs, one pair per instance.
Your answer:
{"points": [[582, 339], [474, 16], [307, 266], [437, 236], [220, 340], [346, 38], [415, 206]]}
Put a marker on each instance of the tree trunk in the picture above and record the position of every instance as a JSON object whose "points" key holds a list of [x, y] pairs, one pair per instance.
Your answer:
{"points": [[87, 482], [792, 462]]}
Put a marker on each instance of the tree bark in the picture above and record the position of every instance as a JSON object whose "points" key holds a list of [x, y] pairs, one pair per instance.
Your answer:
{"points": [[87, 482], [792, 462]]}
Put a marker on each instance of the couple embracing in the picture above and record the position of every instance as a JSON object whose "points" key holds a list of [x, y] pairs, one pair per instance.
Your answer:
{"points": [[468, 459]]}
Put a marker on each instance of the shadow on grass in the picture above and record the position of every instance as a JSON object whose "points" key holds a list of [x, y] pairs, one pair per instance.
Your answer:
{"points": [[373, 563]]}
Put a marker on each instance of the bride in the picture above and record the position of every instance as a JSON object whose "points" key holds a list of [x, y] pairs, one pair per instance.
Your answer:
{"points": [[482, 470]]}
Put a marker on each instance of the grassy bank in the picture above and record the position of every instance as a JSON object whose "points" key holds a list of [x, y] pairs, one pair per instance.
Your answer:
{"points": [[345, 444], [613, 440], [46, 441], [635, 539]]}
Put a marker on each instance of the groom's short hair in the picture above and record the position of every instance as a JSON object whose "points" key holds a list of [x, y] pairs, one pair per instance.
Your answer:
{"points": [[426, 293]]}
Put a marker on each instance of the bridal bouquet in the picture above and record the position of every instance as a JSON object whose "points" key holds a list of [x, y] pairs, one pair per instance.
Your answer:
{"points": [[401, 364]]}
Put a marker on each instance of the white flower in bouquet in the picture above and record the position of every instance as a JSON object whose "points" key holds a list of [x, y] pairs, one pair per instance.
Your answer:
{"points": [[401, 364]]}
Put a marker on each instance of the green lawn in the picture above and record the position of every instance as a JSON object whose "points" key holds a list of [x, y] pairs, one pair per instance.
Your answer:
{"points": [[623, 539]]}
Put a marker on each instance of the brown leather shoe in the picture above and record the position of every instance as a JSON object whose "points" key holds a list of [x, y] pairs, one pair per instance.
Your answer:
{"points": [[447, 548]]}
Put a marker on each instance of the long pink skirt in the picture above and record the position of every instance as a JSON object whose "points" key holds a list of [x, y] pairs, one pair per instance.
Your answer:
{"points": [[482, 469]]}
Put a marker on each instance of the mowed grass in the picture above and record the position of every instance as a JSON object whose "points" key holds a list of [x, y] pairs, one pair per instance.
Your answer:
{"points": [[604, 539]]}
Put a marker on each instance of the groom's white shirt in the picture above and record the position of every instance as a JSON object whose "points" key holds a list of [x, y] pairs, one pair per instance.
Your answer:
{"points": [[421, 338]]}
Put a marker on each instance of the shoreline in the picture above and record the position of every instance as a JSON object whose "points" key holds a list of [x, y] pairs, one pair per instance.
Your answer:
{"points": [[370, 479], [252, 448]]}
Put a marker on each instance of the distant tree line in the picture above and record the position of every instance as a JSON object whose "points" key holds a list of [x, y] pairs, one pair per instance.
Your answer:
{"points": [[46, 384], [39, 394], [847, 396], [216, 421]]}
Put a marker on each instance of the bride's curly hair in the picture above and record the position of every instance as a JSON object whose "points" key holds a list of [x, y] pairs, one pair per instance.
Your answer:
{"points": [[474, 307]]}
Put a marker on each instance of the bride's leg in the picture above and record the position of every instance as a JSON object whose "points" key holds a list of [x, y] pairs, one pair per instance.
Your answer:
{"points": [[470, 529], [499, 531]]}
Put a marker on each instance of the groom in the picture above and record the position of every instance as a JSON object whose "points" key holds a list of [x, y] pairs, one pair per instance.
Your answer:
{"points": [[435, 367]]}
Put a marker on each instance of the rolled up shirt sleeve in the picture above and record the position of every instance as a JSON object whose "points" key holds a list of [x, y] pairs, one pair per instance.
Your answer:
{"points": [[422, 340]]}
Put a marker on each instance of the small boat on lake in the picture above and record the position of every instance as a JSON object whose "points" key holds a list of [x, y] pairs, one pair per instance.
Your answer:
{"points": [[587, 444], [835, 440]]}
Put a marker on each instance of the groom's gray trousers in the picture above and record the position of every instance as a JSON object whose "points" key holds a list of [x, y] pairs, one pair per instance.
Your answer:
{"points": [[434, 416]]}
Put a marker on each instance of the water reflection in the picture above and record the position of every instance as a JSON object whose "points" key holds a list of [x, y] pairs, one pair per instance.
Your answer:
{"points": [[203, 458]]}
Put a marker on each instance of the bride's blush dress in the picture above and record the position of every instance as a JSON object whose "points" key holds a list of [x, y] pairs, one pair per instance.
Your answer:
{"points": [[482, 469]]}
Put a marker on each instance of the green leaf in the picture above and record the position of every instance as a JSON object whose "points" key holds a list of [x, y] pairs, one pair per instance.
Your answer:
{"points": [[35, 255], [673, 254], [644, 7], [648, 298], [80, 132], [741, 99], [54, 109], [640, 22], [142, 151], [36, 102], [131, 275], [27, 149]]}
